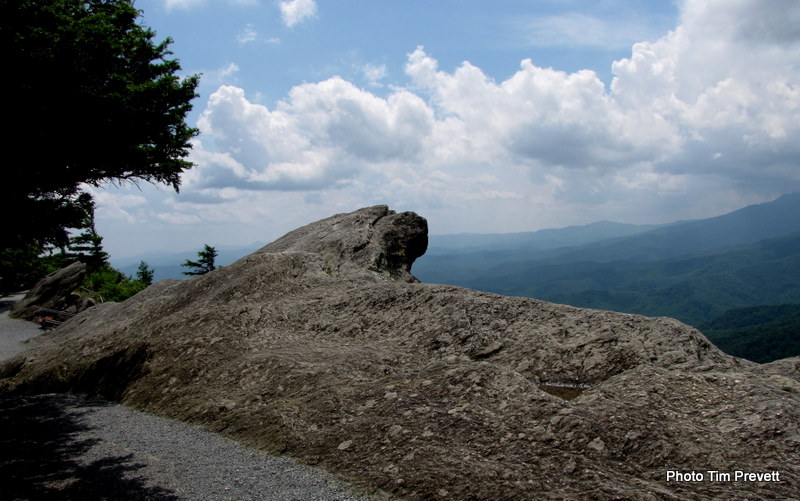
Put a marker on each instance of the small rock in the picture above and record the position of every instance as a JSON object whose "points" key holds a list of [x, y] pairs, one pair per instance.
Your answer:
{"points": [[597, 444], [489, 350]]}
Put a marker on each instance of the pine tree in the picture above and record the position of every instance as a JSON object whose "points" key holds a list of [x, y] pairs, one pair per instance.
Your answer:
{"points": [[144, 274], [88, 245], [204, 264], [94, 99]]}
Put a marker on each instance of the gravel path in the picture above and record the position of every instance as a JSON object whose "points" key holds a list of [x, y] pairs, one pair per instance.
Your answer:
{"points": [[63, 447], [14, 332]]}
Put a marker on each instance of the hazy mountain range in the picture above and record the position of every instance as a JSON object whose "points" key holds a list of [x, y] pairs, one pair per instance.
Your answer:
{"points": [[694, 271]]}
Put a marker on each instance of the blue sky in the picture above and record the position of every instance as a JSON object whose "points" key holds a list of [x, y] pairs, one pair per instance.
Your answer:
{"points": [[480, 116], [348, 38]]}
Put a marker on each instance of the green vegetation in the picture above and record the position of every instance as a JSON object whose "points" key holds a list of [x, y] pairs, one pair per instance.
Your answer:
{"points": [[739, 318], [693, 288], [109, 284], [144, 273], [102, 281], [93, 100], [205, 264], [760, 333]]}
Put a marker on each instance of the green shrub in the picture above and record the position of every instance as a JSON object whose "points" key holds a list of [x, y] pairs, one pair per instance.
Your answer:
{"points": [[109, 284]]}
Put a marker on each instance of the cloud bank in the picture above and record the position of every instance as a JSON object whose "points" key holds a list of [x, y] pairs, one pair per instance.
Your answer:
{"points": [[704, 119]]}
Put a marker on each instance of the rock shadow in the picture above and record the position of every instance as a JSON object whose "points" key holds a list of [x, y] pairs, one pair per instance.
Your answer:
{"points": [[44, 456]]}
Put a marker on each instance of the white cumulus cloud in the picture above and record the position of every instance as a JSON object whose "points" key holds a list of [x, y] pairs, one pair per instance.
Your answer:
{"points": [[725, 81], [296, 11], [118, 207], [710, 109], [321, 136]]}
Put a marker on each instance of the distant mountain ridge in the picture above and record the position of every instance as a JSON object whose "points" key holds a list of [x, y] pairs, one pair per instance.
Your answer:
{"points": [[692, 288], [450, 257], [616, 241], [747, 225], [551, 238], [690, 270]]}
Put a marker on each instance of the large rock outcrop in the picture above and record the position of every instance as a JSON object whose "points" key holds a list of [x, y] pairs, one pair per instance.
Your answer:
{"points": [[373, 239], [322, 346], [55, 291]]}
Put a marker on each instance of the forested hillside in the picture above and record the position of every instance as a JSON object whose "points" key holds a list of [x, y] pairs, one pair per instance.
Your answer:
{"points": [[694, 271], [759, 333]]}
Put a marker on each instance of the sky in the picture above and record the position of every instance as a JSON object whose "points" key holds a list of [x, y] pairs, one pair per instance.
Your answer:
{"points": [[483, 117]]}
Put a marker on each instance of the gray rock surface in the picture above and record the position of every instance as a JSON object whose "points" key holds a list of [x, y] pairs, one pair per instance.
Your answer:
{"points": [[54, 292], [314, 347], [373, 239]]}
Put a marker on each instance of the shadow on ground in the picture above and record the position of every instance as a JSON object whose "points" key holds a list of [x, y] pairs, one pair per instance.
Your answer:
{"points": [[6, 303], [41, 451]]}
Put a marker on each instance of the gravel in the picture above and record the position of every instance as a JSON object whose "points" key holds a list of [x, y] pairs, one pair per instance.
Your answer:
{"points": [[14, 332], [65, 447]]}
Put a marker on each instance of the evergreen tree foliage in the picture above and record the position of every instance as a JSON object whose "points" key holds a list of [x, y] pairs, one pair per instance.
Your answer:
{"points": [[204, 264], [758, 333], [109, 284], [90, 98], [144, 274], [87, 246]]}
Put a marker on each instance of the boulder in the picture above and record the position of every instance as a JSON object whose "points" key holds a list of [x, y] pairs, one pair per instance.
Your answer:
{"points": [[373, 240], [53, 292]]}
